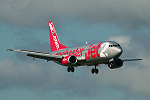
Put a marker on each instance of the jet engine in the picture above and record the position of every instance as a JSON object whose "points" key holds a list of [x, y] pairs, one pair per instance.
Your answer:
{"points": [[117, 63], [69, 60]]}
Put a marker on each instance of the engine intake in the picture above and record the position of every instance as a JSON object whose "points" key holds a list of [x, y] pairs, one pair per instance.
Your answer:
{"points": [[69, 60], [117, 63]]}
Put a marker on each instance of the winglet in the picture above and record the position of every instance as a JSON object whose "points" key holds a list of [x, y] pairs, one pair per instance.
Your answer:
{"points": [[54, 41]]}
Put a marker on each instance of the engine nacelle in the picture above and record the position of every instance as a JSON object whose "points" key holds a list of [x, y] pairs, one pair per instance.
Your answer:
{"points": [[117, 63], [69, 60]]}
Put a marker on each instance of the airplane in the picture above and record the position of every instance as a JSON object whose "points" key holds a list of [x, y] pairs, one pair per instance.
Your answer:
{"points": [[104, 52]]}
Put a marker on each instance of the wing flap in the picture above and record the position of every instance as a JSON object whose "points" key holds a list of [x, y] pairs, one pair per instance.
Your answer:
{"points": [[41, 55]]}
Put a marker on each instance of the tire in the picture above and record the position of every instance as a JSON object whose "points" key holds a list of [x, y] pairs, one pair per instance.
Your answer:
{"points": [[96, 71], [72, 69], [93, 71], [68, 69]]}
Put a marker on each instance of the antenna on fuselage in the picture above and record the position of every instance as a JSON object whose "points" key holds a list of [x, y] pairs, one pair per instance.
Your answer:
{"points": [[86, 42]]}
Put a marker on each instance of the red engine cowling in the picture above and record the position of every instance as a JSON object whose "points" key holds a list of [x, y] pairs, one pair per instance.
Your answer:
{"points": [[69, 60], [115, 64]]}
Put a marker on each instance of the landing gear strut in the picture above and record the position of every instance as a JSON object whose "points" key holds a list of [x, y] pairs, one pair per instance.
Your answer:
{"points": [[70, 69], [95, 70]]}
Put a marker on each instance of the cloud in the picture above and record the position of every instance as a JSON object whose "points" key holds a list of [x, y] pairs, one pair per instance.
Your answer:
{"points": [[41, 76], [129, 13], [123, 40], [134, 75]]}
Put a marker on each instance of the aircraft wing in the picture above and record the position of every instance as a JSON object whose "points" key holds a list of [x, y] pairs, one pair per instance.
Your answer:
{"points": [[41, 55], [130, 59]]}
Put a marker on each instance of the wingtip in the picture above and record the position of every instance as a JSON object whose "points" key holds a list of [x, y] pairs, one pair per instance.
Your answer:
{"points": [[9, 50]]}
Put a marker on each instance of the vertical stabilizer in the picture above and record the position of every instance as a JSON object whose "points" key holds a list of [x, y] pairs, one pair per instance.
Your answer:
{"points": [[54, 41]]}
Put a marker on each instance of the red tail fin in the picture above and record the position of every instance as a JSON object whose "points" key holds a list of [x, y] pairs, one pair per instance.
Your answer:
{"points": [[54, 42]]}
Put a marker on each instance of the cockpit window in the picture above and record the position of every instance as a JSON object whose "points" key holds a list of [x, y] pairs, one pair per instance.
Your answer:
{"points": [[114, 45], [119, 45]]}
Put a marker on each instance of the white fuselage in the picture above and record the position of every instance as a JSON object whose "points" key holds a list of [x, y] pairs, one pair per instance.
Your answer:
{"points": [[92, 54]]}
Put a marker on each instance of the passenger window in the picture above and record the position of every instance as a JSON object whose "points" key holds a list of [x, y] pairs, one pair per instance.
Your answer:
{"points": [[115, 45], [110, 45]]}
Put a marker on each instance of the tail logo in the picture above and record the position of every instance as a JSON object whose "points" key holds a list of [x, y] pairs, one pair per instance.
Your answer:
{"points": [[56, 42], [52, 28]]}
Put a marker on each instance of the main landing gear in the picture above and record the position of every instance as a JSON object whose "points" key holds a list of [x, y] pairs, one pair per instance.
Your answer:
{"points": [[70, 69], [95, 70]]}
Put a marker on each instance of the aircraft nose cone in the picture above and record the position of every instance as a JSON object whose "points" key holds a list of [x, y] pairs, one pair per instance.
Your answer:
{"points": [[119, 51]]}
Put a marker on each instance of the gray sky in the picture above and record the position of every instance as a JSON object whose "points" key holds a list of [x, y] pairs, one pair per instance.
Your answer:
{"points": [[24, 25]]}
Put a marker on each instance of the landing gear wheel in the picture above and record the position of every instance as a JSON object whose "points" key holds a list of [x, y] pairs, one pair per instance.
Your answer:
{"points": [[72, 69], [93, 70], [68, 69], [96, 71]]}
